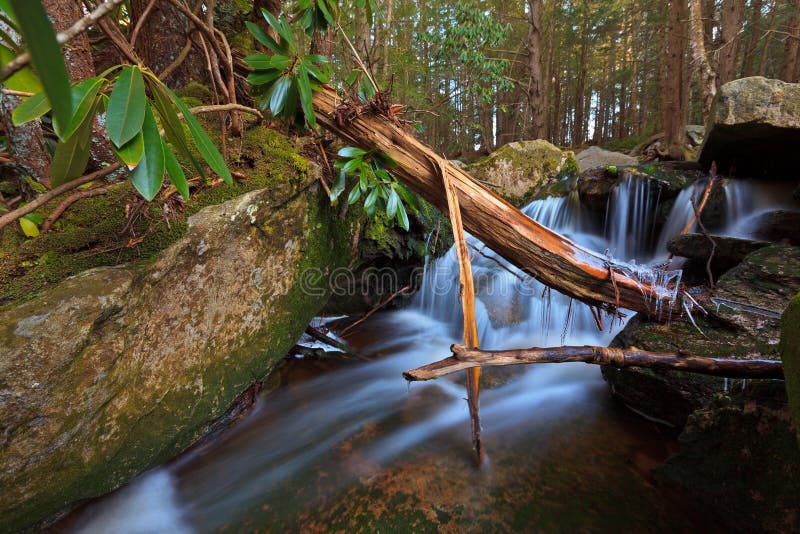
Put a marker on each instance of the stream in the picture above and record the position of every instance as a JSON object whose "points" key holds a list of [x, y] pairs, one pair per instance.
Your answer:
{"points": [[345, 445]]}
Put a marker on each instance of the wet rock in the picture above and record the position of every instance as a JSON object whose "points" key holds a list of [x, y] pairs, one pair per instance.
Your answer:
{"points": [[728, 251], [790, 354], [653, 147], [778, 226], [525, 170], [119, 369], [595, 157], [754, 128]]}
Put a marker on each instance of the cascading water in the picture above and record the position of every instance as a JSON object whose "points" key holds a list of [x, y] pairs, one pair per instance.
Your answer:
{"points": [[304, 458]]}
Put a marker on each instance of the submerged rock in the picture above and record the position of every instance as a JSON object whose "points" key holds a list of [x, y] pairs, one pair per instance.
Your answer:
{"points": [[728, 251], [595, 157], [525, 170], [754, 128], [120, 369]]}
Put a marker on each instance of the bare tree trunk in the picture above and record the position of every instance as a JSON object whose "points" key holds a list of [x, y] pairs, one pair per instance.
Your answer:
{"points": [[791, 58], [731, 25], [705, 74], [536, 95], [26, 143], [676, 87], [755, 34], [578, 133]]}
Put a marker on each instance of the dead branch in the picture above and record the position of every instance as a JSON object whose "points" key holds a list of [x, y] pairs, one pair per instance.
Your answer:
{"points": [[549, 257], [64, 37], [465, 358], [47, 197], [380, 305], [226, 107], [69, 201], [328, 340]]}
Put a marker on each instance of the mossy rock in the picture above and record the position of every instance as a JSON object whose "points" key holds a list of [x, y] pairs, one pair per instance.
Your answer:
{"points": [[95, 232], [156, 350], [790, 354], [526, 170]]}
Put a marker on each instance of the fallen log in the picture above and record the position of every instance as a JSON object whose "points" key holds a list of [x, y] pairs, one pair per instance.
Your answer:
{"points": [[466, 358], [549, 257]]}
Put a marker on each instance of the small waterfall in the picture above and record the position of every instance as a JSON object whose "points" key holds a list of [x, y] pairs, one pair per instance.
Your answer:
{"points": [[631, 217], [512, 308], [680, 215]]}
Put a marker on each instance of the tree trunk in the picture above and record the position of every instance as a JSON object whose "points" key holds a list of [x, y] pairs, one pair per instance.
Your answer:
{"points": [[536, 95], [791, 58], [748, 67], [578, 133], [705, 74], [675, 112], [26, 143], [549, 257], [731, 25], [256, 16]]}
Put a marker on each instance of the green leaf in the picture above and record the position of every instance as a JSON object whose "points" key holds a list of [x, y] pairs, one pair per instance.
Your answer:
{"points": [[305, 95], [372, 198], [382, 174], [40, 38], [392, 202], [72, 154], [23, 80], [352, 165], [31, 108], [278, 99], [338, 186], [354, 195], [326, 12], [126, 106], [29, 228], [407, 197], [203, 143], [259, 61], [281, 62], [34, 218], [264, 38], [148, 176], [350, 152], [83, 99], [131, 152], [175, 173], [363, 180], [263, 77], [279, 26], [402, 216]]}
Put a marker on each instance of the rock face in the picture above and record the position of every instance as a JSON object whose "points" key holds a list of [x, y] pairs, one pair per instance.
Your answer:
{"points": [[754, 128], [524, 170], [778, 225], [595, 157], [119, 369], [732, 430]]}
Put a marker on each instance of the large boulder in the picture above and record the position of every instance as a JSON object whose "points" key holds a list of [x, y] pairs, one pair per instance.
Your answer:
{"points": [[119, 369], [595, 157], [525, 170], [778, 226], [754, 128]]}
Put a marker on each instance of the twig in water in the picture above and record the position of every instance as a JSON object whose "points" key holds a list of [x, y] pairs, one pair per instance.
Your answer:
{"points": [[375, 308]]}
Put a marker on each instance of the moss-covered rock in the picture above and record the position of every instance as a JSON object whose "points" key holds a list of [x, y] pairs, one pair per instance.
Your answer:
{"points": [[525, 170], [119, 369], [790, 354]]}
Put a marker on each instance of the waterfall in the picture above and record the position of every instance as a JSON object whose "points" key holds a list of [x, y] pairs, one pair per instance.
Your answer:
{"points": [[512, 308]]}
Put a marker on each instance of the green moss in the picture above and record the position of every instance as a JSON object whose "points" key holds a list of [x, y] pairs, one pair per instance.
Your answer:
{"points": [[790, 354], [197, 91], [94, 232]]}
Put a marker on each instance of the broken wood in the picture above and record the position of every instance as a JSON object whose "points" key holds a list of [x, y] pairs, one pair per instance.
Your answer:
{"points": [[467, 292], [466, 358], [551, 258]]}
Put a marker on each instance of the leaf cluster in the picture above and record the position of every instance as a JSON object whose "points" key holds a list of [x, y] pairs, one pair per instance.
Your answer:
{"points": [[379, 188], [286, 76]]}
